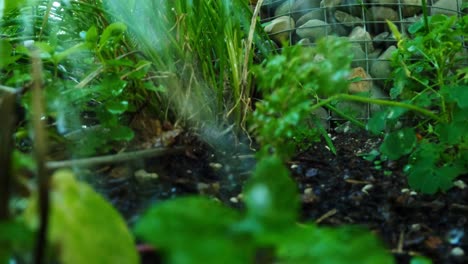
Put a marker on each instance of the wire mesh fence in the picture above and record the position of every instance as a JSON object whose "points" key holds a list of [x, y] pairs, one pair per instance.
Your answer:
{"points": [[363, 22]]}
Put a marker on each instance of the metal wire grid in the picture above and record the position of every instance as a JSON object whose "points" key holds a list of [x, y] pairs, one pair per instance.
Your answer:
{"points": [[373, 26]]}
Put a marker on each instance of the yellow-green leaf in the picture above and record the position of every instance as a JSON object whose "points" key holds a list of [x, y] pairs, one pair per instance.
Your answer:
{"points": [[84, 226]]}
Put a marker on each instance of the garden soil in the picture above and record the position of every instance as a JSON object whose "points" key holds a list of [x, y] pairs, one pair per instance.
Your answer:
{"points": [[341, 189]]}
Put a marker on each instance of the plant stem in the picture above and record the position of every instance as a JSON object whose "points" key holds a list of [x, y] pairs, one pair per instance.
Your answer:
{"points": [[120, 157], [40, 151], [361, 99]]}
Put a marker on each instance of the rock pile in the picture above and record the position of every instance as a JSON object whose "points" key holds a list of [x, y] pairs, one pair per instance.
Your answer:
{"points": [[361, 21]]}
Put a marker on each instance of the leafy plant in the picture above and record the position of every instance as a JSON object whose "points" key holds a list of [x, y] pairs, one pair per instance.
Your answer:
{"points": [[225, 236], [428, 75], [199, 48], [293, 84]]}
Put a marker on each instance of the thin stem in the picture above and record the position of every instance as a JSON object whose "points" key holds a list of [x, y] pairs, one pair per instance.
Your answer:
{"points": [[120, 157], [40, 151], [378, 102]]}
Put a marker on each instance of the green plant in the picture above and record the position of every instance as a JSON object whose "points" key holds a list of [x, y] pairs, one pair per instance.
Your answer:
{"points": [[428, 75], [293, 84], [224, 235], [199, 48], [89, 70]]}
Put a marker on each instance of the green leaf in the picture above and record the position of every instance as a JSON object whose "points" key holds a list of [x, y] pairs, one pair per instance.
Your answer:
{"points": [[343, 245], [14, 235], [271, 197], [113, 32], [398, 143], [377, 122], [458, 94], [9, 5], [194, 230], [116, 107], [420, 260], [84, 226], [6, 50], [121, 133], [451, 133]]}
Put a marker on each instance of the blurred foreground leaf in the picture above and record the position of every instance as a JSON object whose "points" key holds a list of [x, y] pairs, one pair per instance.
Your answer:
{"points": [[195, 230], [84, 226]]}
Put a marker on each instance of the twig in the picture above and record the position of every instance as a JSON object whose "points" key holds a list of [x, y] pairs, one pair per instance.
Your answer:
{"points": [[120, 157], [40, 151], [7, 119], [326, 215]]}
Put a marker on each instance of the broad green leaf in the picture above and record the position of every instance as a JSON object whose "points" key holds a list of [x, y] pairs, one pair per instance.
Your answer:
{"points": [[92, 36], [271, 197], [398, 143], [343, 245], [194, 230], [83, 225]]}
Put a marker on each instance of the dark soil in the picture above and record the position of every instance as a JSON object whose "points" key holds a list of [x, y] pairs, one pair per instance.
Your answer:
{"points": [[336, 190]]}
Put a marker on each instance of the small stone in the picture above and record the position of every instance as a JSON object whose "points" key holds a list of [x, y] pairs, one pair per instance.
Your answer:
{"points": [[233, 200], [312, 172], [382, 13], [347, 19], [304, 42], [364, 84], [313, 14], [411, 8], [280, 28], [459, 184], [446, 7], [314, 29], [215, 166], [308, 191], [367, 188], [284, 9], [381, 68], [330, 3], [143, 176], [300, 7], [361, 36], [457, 252]]}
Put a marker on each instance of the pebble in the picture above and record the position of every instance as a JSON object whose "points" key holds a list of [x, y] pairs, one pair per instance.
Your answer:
{"points": [[381, 68], [314, 14], [446, 7], [457, 252], [361, 36], [312, 172], [280, 28], [314, 29], [362, 82]]}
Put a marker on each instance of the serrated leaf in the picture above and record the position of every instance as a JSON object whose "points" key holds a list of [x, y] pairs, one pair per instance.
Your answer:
{"points": [[85, 227], [343, 245], [398, 143], [194, 230], [450, 133], [268, 192]]}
